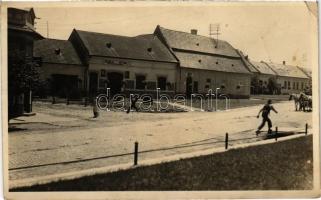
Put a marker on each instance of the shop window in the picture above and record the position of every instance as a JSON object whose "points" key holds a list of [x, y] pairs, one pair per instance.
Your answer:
{"points": [[161, 83], [140, 82]]}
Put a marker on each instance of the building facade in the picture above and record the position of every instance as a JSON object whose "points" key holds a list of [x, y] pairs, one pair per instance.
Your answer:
{"points": [[290, 79], [21, 35], [205, 63], [125, 64], [61, 71]]}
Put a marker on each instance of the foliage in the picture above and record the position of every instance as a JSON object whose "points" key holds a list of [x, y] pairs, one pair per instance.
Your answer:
{"points": [[22, 75], [272, 85]]}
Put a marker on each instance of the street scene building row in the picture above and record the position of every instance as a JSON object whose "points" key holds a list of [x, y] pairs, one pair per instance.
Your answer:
{"points": [[176, 62]]}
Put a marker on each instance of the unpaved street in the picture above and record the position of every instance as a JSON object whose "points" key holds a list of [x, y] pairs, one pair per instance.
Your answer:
{"points": [[54, 136]]}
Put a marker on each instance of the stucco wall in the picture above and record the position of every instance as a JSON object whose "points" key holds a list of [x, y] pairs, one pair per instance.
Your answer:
{"points": [[151, 70], [217, 79], [47, 69], [300, 81]]}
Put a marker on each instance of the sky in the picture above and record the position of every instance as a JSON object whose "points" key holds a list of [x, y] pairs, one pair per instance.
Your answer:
{"points": [[273, 32]]}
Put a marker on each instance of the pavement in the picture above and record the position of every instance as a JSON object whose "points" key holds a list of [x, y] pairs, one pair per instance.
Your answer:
{"points": [[69, 135]]}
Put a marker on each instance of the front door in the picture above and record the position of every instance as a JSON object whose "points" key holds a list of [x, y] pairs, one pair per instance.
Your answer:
{"points": [[93, 83], [115, 82], [189, 86]]}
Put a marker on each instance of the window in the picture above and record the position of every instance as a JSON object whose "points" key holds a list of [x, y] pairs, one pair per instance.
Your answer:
{"points": [[289, 86], [102, 73], [195, 87], [302, 85], [285, 84], [293, 86], [140, 82], [126, 74], [208, 80], [161, 83], [297, 85]]}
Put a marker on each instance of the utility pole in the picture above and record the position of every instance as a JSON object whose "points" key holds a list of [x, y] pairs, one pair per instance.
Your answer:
{"points": [[215, 31]]}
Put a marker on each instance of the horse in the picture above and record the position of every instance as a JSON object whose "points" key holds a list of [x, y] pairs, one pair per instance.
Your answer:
{"points": [[306, 102], [296, 98]]}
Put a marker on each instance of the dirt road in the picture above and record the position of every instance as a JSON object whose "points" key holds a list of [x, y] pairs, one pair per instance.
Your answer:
{"points": [[79, 137]]}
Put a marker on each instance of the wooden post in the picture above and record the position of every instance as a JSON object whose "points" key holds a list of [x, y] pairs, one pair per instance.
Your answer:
{"points": [[306, 128], [276, 133], [136, 153], [53, 100], [226, 140]]}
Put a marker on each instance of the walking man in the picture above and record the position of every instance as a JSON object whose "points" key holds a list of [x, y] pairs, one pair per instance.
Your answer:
{"points": [[265, 115], [134, 99]]}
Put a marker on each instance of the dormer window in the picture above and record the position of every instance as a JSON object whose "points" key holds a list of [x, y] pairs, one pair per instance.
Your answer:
{"points": [[199, 61], [57, 51], [108, 45], [149, 49]]}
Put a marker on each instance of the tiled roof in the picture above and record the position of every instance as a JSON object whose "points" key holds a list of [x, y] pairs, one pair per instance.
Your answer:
{"points": [[210, 62], [197, 43], [247, 63], [306, 71], [146, 47], [48, 50], [263, 68], [287, 70]]}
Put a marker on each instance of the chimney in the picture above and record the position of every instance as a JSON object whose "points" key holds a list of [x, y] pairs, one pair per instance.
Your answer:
{"points": [[283, 62], [194, 31]]}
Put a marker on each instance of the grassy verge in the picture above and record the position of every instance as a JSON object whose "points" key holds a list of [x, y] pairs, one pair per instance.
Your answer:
{"points": [[285, 165]]}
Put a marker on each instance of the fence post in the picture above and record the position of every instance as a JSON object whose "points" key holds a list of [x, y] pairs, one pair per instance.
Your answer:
{"points": [[53, 100], [136, 153], [276, 133], [226, 140], [306, 128]]}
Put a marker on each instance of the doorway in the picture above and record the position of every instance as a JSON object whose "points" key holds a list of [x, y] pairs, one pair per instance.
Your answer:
{"points": [[115, 82], [93, 83], [189, 86]]}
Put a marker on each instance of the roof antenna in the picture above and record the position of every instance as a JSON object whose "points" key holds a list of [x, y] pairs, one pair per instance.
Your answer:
{"points": [[215, 31]]}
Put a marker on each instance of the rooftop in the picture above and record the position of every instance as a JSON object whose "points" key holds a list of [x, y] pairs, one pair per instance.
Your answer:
{"points": [[144, 47], [56, 51]]}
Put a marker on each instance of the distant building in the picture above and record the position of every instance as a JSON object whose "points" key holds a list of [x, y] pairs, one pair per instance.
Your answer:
{"points": [[205, 63], [62, 72], [290, 79], [264, 77], [125, 64], [21, 34]]}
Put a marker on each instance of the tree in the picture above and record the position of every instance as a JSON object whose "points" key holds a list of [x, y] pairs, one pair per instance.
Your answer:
{"points": [[23, 77], [254, 85], [272, 85]]}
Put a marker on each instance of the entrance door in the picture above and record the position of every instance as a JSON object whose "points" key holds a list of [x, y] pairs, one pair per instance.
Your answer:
{"points": [[93, 83], [115, 82], [189, 86]]}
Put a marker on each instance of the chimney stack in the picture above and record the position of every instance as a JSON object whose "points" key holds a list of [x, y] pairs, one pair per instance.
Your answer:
{"points": [[194, 31], [283, 62]]}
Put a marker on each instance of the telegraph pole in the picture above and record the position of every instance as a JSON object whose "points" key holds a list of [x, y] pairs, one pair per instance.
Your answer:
{"points": [[215, 31]]}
